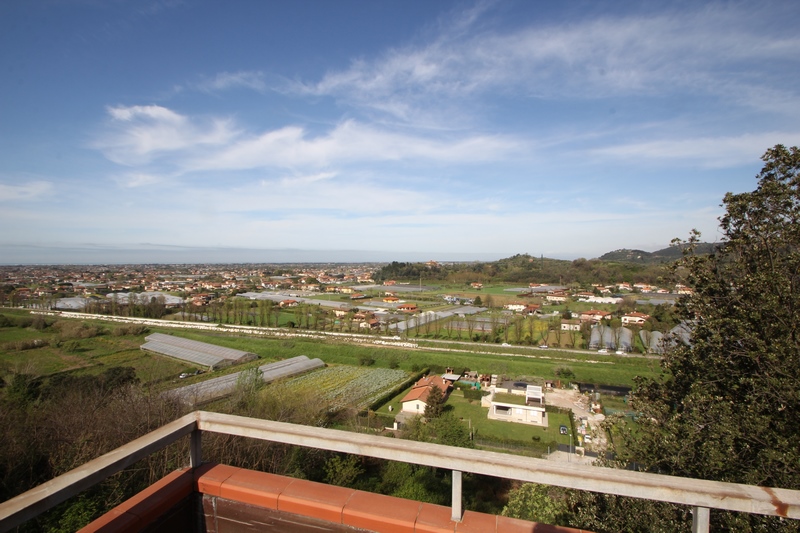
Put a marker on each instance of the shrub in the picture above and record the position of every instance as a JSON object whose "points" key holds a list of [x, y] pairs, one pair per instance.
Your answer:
{"points": [[564, 372], [470, 394], [132, 329]]}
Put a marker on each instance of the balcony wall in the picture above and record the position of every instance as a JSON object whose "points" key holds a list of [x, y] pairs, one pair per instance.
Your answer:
{"points": [[218, 498]]}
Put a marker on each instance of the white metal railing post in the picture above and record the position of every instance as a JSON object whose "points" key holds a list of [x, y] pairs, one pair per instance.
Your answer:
{"points": [[196, 448], [456, 510], [701, 519]]}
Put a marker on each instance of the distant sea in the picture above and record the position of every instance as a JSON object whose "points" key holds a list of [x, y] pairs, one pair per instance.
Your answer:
{"points": [[86, 254]]}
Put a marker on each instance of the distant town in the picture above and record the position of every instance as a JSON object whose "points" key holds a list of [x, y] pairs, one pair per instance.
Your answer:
{"points": [[442, 300]]}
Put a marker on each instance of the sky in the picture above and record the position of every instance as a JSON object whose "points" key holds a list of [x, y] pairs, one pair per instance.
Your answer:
{"points": [[249, 131]]}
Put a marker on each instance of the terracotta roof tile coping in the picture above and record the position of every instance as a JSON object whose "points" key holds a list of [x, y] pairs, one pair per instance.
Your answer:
{"points": [[145, 507], [339, 505], [366, 510]]}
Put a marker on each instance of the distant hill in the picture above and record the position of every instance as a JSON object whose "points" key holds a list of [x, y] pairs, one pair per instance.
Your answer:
{"points": [[665, 255]]}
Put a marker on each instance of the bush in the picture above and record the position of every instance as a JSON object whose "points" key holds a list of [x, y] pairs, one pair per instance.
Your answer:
{"points": [[366, 360], [564, 372], [18, 346], [132, 329], [71, 346], [470, 394], [68, 329]]}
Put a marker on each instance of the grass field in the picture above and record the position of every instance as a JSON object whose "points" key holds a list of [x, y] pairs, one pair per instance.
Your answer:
{"points": [[94, 354], [470, 413]]}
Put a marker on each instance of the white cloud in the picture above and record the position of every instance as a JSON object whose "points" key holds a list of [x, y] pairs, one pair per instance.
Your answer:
{"points": [[701, 51], [352, 141], [710, 152], [137, 179], [230, 80], [138, 134], [152, 112], [28, 191], [306, 180]]}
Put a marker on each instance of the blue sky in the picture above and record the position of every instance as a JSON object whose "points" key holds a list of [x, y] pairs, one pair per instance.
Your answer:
{"points": [[161, 131]]}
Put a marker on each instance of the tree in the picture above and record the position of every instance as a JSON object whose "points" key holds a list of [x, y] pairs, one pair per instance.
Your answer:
{"points": [[434, 404], [538, 503], [343, 469], [725, 407]]}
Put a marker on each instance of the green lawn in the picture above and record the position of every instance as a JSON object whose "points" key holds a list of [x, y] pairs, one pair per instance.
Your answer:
{"points": [[473, 415]]}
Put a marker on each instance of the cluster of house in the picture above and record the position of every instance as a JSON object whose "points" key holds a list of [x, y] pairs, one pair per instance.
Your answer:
{"points": [[509, 401], [593, 316]]}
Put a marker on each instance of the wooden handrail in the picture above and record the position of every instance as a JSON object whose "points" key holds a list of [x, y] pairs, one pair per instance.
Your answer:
{"points": [[673, 489], [34, 502]]}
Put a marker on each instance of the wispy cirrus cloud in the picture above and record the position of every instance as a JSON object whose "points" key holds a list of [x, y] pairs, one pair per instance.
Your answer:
{"points": [[351, 142], [703, 51], [709, 152], [233, 80], [138, 134], [137, 179], [28, 191], [141, 134]]}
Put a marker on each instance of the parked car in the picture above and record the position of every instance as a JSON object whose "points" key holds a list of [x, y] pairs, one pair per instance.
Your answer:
{"points": [[562, 430], [602, 350], [543, 346], [620, 352], [587, 439]]}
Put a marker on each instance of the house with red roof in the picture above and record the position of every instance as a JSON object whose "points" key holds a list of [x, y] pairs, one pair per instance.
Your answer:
{"points": [[415, 400]]}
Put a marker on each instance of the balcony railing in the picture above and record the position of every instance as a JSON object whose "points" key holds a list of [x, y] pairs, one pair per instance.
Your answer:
{"points": [[701, 495]]}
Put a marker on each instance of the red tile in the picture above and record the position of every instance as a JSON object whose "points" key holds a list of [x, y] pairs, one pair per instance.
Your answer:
{"points": [[316, 500], [255, 488], [209, 478], [514, 525], [159, 497], [473, 522], [377, 512], [146, 506], [112, 522], [434, 519]]}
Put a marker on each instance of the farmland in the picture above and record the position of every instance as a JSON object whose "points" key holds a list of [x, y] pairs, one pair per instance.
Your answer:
{"points": [[349, 386]]}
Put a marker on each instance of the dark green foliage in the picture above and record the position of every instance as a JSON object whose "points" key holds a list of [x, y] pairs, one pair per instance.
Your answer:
{"points": [[564, 372], [118, 376], [525, 268], [434, 403], [366, 360], [23, 389], [470, 394], [343, 469], [665, 255], [725, 408], [539, 503]]}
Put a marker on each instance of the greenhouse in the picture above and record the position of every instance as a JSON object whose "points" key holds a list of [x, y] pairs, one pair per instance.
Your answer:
{"points": [[195, 352], [215, 388]]}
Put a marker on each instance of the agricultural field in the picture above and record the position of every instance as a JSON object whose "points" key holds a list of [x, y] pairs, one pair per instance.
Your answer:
{"points": [[349, 386], [81, 354]]}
